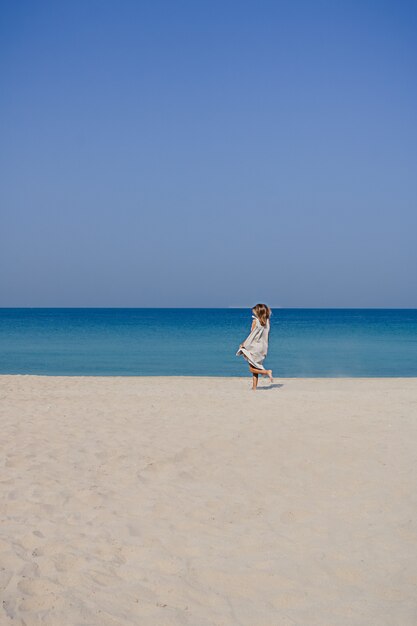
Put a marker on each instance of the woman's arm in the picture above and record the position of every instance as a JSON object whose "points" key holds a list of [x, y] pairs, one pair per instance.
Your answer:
{"points": [[251, 329]]}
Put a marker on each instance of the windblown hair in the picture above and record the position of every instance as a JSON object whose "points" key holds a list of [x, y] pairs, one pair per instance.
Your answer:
{"points": [[262, 312]]}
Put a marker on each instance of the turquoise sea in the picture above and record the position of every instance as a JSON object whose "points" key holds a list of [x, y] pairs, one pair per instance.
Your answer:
{"points": [[203, 342]]}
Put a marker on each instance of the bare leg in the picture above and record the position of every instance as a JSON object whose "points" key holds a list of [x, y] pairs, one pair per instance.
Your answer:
{"points": [[262, 372], [254, 381]]}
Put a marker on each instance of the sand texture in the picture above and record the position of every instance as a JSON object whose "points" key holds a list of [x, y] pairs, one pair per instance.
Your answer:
{"points": [[194, 501]]}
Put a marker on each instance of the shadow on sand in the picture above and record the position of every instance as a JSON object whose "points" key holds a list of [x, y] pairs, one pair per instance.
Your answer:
{"points": [[273, 386]]}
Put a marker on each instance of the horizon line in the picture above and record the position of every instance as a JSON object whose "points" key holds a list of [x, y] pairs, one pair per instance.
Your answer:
{"points": [[219, 307]]}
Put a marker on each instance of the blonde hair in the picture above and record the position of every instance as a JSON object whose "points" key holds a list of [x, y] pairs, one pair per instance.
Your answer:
{"points": [[262, 312]]}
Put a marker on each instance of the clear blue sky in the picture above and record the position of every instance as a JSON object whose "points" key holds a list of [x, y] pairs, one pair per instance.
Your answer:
{"points": [[208, 153]]}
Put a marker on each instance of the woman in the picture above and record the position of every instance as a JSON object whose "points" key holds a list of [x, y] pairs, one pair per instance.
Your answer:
{"points": [[255, 347]]}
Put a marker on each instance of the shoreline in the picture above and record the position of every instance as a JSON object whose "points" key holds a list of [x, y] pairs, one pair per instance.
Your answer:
{"points": [[196, 377]]}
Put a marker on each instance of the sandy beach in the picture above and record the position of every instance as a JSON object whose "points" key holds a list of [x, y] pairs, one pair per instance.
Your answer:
{"points": [[194, 501]]}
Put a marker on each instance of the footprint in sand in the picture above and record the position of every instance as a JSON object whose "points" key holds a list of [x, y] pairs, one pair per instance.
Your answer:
{"points": [[288, 517]]}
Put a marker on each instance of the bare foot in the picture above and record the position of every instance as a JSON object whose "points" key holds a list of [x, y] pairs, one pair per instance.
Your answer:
{"points": [[270, 376]]}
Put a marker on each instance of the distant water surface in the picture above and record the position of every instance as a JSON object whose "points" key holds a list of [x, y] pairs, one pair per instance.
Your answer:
{"points": [[203, 342]]}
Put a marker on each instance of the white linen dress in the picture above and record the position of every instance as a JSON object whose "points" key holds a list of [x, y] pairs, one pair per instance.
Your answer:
{"points": [[255, 346]]}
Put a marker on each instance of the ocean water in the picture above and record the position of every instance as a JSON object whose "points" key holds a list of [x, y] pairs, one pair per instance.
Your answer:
{"points": [[203, 342]]}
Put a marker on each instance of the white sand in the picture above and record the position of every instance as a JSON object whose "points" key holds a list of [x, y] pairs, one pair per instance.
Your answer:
{"points": [[194, 501]]}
